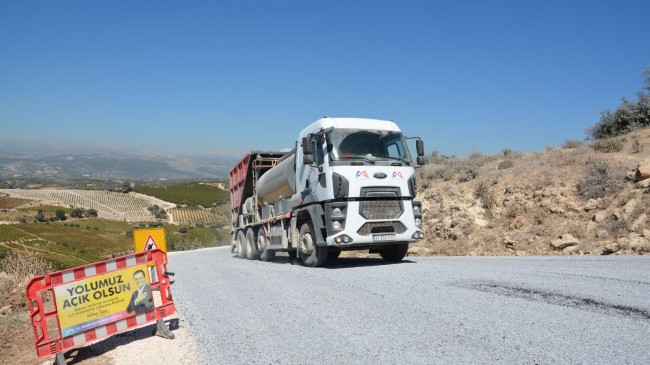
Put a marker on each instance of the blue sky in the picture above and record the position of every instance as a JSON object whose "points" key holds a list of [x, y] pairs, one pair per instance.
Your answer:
{"points": [[216, 76]]}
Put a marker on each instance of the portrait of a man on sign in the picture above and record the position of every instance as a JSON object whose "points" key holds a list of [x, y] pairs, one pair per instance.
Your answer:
{"points": [[141, 299]]}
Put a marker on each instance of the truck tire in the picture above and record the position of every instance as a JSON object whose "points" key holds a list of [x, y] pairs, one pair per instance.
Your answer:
{"points": [[395, 252], [311, 254], [266, 254], [251, 245], [241, 245]]}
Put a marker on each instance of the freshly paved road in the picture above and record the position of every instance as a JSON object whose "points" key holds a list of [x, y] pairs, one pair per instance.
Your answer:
{"points": [[424, 310]]}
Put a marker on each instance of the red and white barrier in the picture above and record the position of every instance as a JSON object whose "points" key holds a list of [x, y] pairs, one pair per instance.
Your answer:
{"points": [[49, 313]]}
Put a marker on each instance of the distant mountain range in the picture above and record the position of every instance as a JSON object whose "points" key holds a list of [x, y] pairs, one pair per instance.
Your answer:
{"points": [[40, 160]]}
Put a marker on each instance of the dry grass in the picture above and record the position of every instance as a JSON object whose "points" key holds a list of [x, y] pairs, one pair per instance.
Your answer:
{"points": [[18, 267]]}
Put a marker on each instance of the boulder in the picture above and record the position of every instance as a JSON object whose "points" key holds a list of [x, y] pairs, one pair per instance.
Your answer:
{"points": [[602, 233], [646, 233], [629, 207], [599, 217], [564, 241], [617, 215], [642, 172], [573, 207], [644, 184], [572, 250], [591, 205], [557, 210], [640, 222], [5, 309], [509, 243], [611, 248]]}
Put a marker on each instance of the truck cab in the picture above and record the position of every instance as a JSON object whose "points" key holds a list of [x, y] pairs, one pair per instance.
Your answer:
{"points": [[361, 173]]}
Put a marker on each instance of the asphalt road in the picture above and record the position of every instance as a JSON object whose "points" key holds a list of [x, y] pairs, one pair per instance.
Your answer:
{"points": [[424, 310]]}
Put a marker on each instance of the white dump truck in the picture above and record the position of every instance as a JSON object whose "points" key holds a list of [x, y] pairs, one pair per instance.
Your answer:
{"points": [[349, 184]]}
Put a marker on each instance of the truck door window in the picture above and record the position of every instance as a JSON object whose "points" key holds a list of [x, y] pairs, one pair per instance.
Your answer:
{"points": [[317, 148]]}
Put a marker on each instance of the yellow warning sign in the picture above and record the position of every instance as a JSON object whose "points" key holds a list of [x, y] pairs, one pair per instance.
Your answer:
{"points": [[147, 239]]}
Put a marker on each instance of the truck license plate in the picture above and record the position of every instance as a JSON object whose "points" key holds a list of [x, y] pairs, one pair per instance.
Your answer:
{"points": [[384, 237]]}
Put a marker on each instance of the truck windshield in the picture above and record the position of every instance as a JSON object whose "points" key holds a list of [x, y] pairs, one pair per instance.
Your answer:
{"points": [[373, 145]]}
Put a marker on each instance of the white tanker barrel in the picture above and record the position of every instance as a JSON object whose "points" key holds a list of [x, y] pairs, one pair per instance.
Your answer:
{"points": [[278, 183]]}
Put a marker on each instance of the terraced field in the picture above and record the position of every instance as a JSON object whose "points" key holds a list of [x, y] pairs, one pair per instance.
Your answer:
{"points": [[109, 205], [189, 216], [13, 238], [9, 233]]}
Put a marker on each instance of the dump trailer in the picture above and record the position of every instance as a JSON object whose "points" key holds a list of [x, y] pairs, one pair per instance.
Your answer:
{"points": [[349, 184]]}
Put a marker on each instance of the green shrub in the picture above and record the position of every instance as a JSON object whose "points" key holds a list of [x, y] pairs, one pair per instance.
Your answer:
{"points": [[607, 145], [506, 164], [599, 181], [467, 173], [486, 194], [571, 144]]}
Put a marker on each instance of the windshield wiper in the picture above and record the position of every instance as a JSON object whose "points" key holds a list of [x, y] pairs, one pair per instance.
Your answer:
{"points": [[365, 159], [397, 159]]}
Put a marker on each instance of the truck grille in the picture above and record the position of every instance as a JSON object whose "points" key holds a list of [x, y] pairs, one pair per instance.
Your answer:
{"points": [[381, 227], [381, 209]]}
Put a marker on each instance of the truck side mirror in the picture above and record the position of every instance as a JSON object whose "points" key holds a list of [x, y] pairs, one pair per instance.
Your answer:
{"points": [[419, 146], [421, 160], [308, 156], [306, 146]]}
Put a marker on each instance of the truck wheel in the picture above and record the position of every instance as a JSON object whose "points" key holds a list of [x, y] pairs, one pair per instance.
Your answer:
{"points": [[333, 253], [395, 252], [241, 245], [310, 253], [251, 247], [266, 254]]}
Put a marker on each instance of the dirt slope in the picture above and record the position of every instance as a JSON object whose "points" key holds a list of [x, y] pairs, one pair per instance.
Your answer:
{"points": [[564, 200]]}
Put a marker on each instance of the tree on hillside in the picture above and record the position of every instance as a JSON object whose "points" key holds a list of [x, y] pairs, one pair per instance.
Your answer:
{"points": [[77, 213], [40, 216], [628, 116], [92, 212], [126, 186], [60, 215]]}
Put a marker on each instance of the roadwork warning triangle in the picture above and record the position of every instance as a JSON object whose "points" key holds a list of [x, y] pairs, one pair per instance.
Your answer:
{"points": [[150, 244]]}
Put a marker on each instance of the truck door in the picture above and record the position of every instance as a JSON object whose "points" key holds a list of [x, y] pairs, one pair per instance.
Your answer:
{"points": [[312, 178]]}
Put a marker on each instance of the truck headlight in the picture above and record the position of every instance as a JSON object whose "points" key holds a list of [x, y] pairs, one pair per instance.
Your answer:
{"points": [[418, 222], [336, 224], [337, 212], [416, 209]]}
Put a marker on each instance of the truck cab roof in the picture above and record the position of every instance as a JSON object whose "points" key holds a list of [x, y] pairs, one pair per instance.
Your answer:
{"points": [[352, 123]]}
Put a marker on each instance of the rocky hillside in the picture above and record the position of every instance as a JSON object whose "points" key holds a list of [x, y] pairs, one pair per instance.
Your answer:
{"points": [[580, 198]]}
